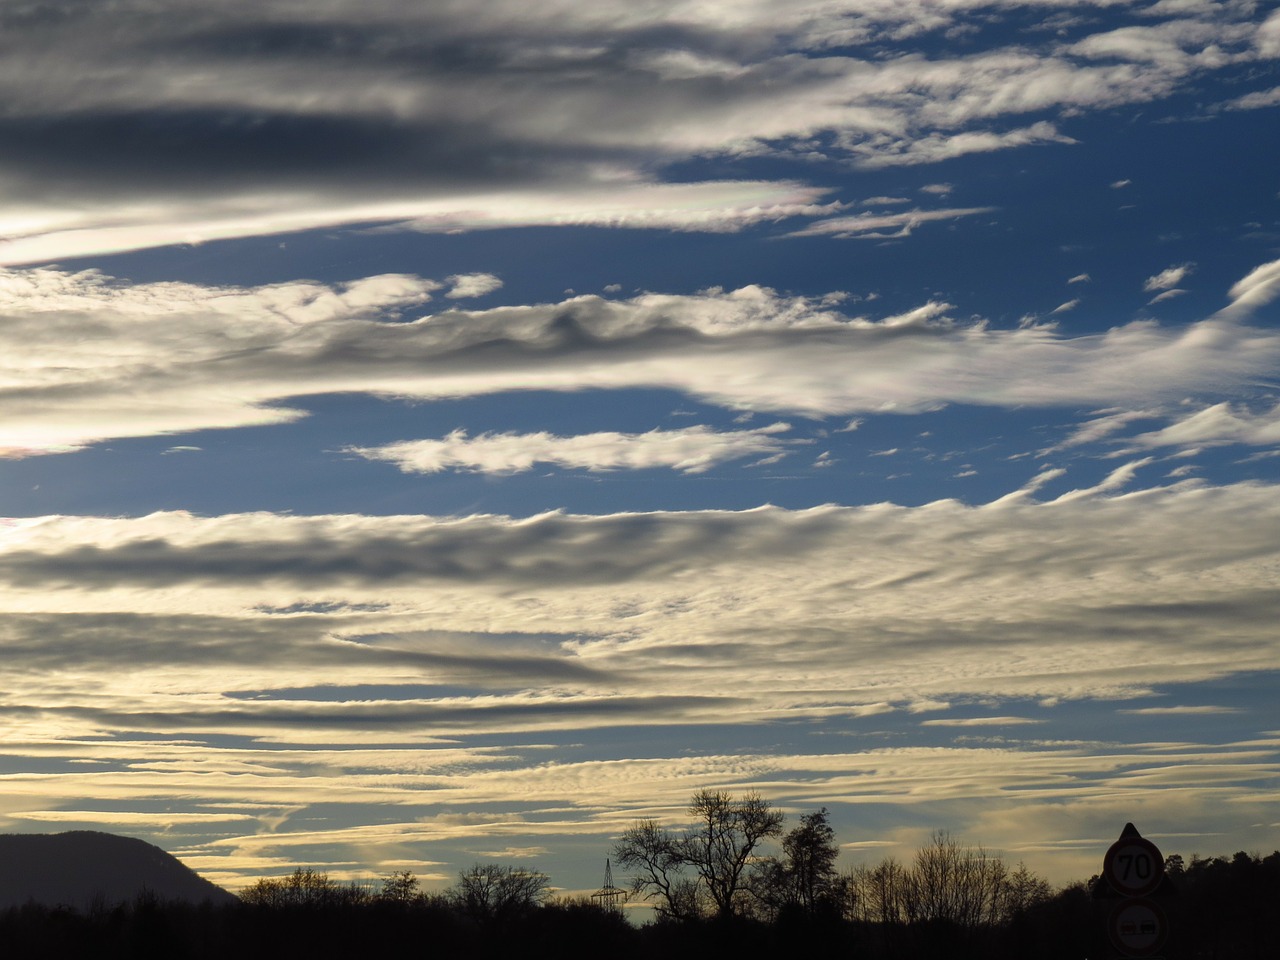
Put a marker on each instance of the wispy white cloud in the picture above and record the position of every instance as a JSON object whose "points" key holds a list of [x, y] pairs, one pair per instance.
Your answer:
{"points": [[1169, 278], [885, 150], [1196, 711], [1117, 479], [981, 722], [875, 226], [691, 450], [718, 207], [1256, 100], [1102, 426], [1214, 425], [1259, 288], [472, 285]]}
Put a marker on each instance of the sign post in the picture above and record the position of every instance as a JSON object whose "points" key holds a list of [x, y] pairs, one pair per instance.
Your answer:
{"points": [[1133, 868]]}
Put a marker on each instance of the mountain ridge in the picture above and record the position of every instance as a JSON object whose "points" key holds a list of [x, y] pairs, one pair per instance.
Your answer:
{"points": [[80, 868]]}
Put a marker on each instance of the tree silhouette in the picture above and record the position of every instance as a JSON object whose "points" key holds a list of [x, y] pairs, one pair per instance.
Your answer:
{"points": [[492, 892], [721, 843], [804, 879], [401, 887], [716, 849], [657, 858], [302, 888]]}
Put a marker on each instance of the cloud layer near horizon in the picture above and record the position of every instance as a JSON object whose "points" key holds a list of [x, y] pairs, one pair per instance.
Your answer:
{"points": [[437, 635]]}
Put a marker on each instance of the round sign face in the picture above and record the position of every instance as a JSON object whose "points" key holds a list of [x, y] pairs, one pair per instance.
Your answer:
{"points": [[1138, 928], [1133, 866]]}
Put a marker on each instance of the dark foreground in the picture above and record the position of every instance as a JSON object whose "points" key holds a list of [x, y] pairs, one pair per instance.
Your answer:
{"points": [[1221, 908]]}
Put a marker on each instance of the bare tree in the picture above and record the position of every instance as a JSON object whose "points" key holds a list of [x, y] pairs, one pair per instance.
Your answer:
{"points": [[399, 887], [492, 892], [1024, 889], [720, 845], [946, 882], [703, 870], [302, 888], [656, 857], [877, 894]]}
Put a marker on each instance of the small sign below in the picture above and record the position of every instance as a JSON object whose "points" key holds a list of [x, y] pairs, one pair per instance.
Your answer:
{"points": [[1138, 928]]}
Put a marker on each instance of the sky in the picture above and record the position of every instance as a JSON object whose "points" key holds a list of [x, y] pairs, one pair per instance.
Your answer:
{"points": [[446, 432]]}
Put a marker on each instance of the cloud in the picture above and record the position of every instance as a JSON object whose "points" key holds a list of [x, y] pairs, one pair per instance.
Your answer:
{"points": [[185, 357], [1065, 307], [1079, 278], [1176, 46], [136, 127], [871, 226], [980, 722], [691, 450], [597, 603], [1169, 278], [1220, 423], [717, 207], [1268, 36], [886, 150], [1259, 288], [1256, 100], [1180, 711], [472, 285], [1101, 427], [514, 853], [1117, 479]]}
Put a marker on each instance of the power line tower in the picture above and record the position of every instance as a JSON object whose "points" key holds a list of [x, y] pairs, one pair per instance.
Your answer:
{"points": [[609, 897]]}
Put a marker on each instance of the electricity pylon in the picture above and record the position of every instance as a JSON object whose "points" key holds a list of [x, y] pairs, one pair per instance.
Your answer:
{"points": [[609, 897]]}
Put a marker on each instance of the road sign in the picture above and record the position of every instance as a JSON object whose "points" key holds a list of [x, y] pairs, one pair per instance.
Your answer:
{"points": [[1138, 927], [1133, 865]]}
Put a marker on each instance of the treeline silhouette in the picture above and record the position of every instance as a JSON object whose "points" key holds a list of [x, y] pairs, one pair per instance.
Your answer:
{"points": [[713, 890]]}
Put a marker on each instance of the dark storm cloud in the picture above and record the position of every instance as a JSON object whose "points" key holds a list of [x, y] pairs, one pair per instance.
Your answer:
{"points": [[236, 119], [165, 151], [145, 97]]}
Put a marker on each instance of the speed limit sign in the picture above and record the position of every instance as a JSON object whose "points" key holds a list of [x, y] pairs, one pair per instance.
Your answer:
{"points": [[1133, 866]]}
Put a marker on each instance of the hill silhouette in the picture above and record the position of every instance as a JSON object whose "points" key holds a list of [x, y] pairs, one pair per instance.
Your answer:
{"points": [[80, 867]]}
